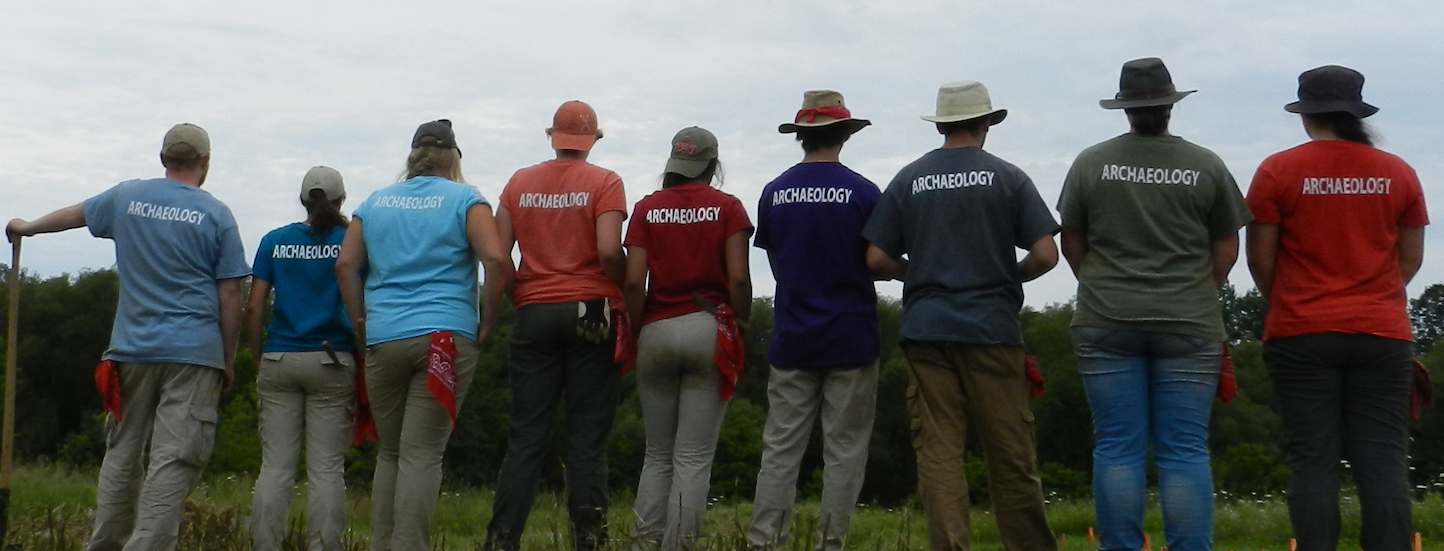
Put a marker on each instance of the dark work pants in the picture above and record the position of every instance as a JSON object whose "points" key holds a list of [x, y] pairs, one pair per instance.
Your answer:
{"points": [[1344, 397], [550, 363]]}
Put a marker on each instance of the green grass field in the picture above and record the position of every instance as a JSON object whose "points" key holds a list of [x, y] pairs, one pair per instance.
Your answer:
{"points": [[50, 511]]}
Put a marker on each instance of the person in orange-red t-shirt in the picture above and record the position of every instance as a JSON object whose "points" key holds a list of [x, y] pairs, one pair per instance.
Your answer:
{"points": [[1338, 232], [565, 215]]}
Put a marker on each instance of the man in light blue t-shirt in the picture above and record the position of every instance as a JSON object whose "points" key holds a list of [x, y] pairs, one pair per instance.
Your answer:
{"points": [[180, 261]]}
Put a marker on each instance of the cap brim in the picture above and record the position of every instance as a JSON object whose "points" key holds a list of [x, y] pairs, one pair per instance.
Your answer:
{"points": [[1150, 102], [997, 116], [687, 168], [1356, 108], [853, 125], [573, 141]]}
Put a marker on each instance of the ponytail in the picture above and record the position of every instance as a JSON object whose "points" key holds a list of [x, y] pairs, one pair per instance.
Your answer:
{"points": [[324, 215], [1345, 125]]}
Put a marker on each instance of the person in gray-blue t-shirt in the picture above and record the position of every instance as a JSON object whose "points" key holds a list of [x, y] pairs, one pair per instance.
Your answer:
{"points": [[180, 261], [960, 215]]}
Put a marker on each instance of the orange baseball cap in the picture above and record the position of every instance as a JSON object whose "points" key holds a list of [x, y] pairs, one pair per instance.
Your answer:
{"points": [[574, 127]]}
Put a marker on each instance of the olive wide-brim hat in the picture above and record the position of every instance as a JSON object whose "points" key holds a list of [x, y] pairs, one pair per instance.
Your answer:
{"points": [[821, 108], [1331, 89], [1144, 83]]}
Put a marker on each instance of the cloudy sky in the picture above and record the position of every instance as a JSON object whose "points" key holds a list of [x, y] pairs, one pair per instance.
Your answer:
{"points": [[87, 89]]}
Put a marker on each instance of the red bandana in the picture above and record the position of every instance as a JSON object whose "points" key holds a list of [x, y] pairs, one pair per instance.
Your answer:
{"points": [[1227, 384], [107, 381], [728, 357], [441, 372], [365, 426]]}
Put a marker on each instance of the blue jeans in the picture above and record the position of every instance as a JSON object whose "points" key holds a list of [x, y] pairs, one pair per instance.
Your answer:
{"points": [[1150, 388]]}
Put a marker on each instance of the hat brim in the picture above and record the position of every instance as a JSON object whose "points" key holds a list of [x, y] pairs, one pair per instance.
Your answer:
{"points": [[996, 116], [687, 168], [1356, 108], [1148, 102], [852, 125], [576, 142]]}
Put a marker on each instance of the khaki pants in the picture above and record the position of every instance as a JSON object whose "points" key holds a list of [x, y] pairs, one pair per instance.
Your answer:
{"points": [[303, 394], [846, 399], [174, 407], [952, 384], [414, 430]]}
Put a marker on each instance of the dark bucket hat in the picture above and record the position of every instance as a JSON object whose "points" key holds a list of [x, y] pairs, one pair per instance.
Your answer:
{"points": [[1144, 83], [1331, 89]]}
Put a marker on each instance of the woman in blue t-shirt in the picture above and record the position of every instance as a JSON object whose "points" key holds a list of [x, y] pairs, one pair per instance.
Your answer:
{"points": [[306, 376], [414, 247]]}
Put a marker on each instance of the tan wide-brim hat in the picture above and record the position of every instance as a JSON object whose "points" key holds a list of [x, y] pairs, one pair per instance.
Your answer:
{"points": [[965, 100], [822, 108]]}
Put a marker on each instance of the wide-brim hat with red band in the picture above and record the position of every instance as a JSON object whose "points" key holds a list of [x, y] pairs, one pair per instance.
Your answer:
{"points": [[823, 108]]}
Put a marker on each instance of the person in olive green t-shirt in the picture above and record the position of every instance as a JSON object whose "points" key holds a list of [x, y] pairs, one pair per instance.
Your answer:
{"points": [[1150, 228]]}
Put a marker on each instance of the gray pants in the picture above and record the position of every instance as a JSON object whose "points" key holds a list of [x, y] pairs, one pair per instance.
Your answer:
{"points": [[678, 382], [413, 429], [174, 406], [303, 394], [847, 402]]}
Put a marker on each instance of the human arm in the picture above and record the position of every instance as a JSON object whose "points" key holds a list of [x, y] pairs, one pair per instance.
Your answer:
{"points": [[885, 266], [1410, 247], [68, 218], [349, 263], [609, 245], [739, 278], [486, 242], [255, 307], [1262, 251], [1075, 247], [1224, 251], [229, 291], [634, 285], [1041, 258]]}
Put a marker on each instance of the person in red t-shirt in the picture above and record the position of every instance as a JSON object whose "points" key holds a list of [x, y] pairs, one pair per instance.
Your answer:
{"points": [[691, 239], [1338, 232], [565, 215]]}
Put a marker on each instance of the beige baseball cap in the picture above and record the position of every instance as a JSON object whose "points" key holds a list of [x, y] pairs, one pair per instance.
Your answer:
{"points": [[965, 100], [324, 178], [186, 134]]}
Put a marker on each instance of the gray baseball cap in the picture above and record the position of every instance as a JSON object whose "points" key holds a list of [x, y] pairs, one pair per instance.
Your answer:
{"points": [[324, 178], [693, 148]]}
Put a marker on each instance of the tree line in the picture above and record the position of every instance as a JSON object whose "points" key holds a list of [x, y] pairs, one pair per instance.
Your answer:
{"points": [[66, 320]]}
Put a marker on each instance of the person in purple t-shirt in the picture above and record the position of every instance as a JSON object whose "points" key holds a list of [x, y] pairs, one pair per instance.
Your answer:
{"points": [[825, 339]]}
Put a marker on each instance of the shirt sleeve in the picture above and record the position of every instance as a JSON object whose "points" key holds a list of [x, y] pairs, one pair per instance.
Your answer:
{"points": [[737, 219], [884, 227], [1035, 221], [762, 238], [637, 228], [100, 212], [1071, 206], [613, 196], [263, 267], [1415, 214], [230, 252], [1262, 199], [1229, 212]]}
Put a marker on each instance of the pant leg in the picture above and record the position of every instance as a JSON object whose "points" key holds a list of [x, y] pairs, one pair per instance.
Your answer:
{"points": [[389, 368], [1115, 378], [700, 413], [330, 413], [997, 401], [1376, 387], [181, 444], [282, 420], [593, 391], [123, 469], [1183, 379], [537, 370], [849, 405], [793, 397], [1308, 384], [939, 424], [658, 388]]}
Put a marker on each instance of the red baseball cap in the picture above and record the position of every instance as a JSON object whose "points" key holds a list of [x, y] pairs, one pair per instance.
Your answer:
{"points": [[574, 127]]}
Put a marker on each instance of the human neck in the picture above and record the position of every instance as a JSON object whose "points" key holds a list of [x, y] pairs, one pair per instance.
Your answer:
{"points": [[193, 177], [824, 155], [962, 140], [571, 155]]}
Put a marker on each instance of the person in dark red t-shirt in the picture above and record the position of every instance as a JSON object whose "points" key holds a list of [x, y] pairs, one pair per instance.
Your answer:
{"points": [[1338, 232], [691, 239]]}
